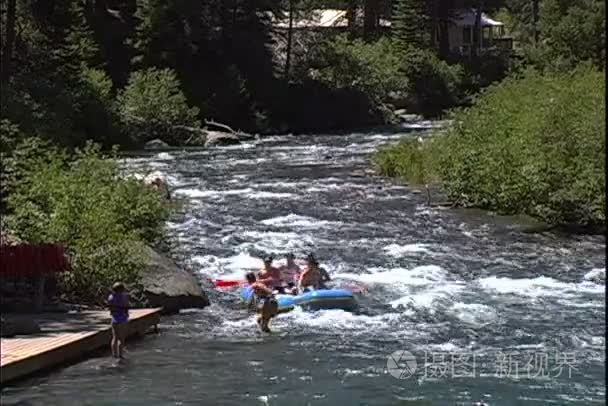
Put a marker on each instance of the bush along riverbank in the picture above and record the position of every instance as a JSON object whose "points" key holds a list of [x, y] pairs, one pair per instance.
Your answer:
{"points": [[106, 220], [532, 145]]}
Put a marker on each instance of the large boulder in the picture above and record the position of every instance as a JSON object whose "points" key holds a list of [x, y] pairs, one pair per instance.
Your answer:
{"points": [[168, 286], [156, 144], [215, 138]]}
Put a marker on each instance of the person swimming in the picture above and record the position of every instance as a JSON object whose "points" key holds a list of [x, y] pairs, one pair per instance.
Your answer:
{"points": [[263, 299], [270, 275]]}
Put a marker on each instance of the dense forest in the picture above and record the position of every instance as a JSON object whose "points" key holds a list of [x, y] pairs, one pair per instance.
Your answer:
{"points": [[124, 71]]}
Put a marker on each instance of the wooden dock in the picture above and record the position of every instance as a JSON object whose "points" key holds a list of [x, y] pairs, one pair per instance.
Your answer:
{"points": [[64, 338]]}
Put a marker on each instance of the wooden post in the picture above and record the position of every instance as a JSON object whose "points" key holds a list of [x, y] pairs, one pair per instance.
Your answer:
{"points": [[39, 300]]}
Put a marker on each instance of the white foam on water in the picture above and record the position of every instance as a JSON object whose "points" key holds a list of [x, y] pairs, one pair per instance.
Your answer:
{"points": [[277, 242], [185, 225], [474, 313], [194, 193], [295, 220], [278, 185], [442, 349], [396, 250], [326, 322], [420, 275], [330, 321], [432, 299], [596, 274], [246, 193], [324, 188], [229, 267], [165, 156], [260, 194], [538, 287]]}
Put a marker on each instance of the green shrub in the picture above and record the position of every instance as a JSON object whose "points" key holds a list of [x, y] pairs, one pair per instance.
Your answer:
{"points": [[435, 84], [82, 202], [152, 104], [385, 73], [373, 68], [572, 31], [97, 116], [532, 145], [410, 159], [67, 110]]}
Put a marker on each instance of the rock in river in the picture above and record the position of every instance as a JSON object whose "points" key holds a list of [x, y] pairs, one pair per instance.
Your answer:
{"points": [[168, 286], [221, 138], [156, 144]]}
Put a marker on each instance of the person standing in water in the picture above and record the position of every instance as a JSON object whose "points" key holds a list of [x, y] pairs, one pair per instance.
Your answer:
{"points": [[118, 302], [263, 299]]}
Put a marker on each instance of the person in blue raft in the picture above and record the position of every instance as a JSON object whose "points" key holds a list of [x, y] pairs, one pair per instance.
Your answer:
{"points": [[314, 277]]}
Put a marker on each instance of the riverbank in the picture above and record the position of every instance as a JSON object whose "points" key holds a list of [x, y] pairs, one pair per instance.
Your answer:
{"points": [[53, 194], [533, 146]]}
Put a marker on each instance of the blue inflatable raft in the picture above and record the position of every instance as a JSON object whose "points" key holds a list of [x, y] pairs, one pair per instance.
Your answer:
{"points": [[321, 299]]}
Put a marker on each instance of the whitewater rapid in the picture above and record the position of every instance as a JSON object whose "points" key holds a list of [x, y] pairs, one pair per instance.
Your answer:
{"points": [[431, 281]]}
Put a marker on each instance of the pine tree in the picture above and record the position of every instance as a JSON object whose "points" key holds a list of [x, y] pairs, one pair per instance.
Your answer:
{"points": [[409, 24], [80, 48]]}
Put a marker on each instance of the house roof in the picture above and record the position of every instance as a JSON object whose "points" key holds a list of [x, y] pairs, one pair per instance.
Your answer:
{"points": [[324, 18], [467, 17]]}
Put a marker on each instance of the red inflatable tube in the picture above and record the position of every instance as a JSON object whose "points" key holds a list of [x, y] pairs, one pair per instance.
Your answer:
{"points": [[223, 283]]}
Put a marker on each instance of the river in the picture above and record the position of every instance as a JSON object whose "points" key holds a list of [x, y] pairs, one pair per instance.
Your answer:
{"points": [[488, 313]]}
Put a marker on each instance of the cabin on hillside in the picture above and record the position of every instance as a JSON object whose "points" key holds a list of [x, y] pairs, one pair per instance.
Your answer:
{"points": [[461, 27], [461, 30]]}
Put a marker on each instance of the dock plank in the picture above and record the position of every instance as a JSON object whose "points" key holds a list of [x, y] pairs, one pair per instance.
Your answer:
{"points": [[64, 338]]}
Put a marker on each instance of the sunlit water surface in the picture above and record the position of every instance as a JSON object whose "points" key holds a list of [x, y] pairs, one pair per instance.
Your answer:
{"points": [[490, 314]]}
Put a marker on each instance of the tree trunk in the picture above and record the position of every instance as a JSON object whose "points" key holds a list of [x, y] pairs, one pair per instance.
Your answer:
{"points": [[535, 21], [370, 17], [444, 26], [289, 40], [478, 29], [434, 26], [351, 15], [7, 50], [235, 8]]}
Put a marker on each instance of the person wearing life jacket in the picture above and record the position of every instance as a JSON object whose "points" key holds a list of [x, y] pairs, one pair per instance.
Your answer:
{"points": [[263, 299]]}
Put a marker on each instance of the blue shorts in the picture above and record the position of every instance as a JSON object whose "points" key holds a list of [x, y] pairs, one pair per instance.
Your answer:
{"points": [[120, 319]]}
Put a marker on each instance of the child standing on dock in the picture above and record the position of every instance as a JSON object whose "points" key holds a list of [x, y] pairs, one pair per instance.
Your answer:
{"points": [[118, 302]]}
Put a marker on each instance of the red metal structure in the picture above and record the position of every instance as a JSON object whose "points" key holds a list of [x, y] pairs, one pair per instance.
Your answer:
{"points": [[32, 259]]}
